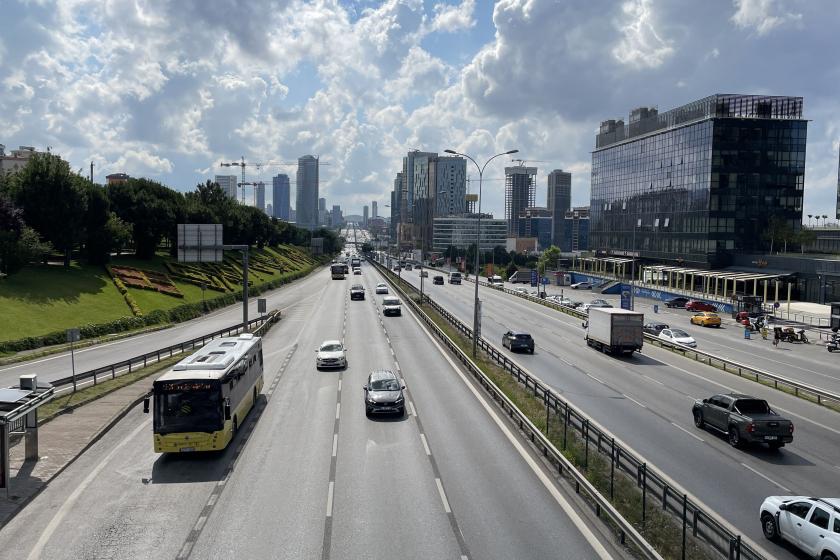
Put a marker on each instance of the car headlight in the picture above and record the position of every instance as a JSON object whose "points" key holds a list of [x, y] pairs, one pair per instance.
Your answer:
{"points": [[399, 400]]}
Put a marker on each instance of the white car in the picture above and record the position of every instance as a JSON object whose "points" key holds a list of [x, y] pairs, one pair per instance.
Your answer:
{"points": [[522, 291], [810, 524], [391, 306], [596, 303], [381, 288], [357, 271], [331, 354], [678, 336], [581, 286]]}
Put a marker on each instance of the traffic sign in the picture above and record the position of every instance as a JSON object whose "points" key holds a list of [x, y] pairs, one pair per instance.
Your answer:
{"points": [[534, 278], [625, 296], [545, 280]]}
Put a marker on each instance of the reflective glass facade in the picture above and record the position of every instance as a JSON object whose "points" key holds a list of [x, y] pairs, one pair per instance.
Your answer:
{"points": [[695, 192]]}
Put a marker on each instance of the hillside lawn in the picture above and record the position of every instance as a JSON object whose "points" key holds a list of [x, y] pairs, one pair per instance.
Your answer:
{"points": [[45, 298]]}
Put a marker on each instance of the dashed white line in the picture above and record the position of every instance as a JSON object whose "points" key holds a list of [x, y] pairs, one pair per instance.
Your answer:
{"points": [[397, 365], [442, 496], [330, 499], [337, 410], [212, 500], [335, 444], [695, 436], [425, 444], [765, 477], [628, 397], [339, 385], [596, 379], [652, 379], [200, 523]]}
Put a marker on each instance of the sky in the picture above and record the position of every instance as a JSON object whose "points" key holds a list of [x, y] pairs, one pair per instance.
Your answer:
{"points": [[169, 89]]}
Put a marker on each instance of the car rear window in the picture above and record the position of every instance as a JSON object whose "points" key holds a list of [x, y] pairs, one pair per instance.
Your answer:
{"points": [[752, 406], [390, 302], [523, 337]]}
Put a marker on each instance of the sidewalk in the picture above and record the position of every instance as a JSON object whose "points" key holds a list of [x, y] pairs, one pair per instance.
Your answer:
{"points": [[62, 440]]}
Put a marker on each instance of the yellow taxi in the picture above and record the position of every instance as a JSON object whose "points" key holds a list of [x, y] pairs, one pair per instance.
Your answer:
{"points": [[706, 319]]}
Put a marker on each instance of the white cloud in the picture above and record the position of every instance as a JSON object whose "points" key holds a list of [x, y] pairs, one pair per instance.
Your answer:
{"points": [[450, 18], [142, 163], [761, 15], [641, 45]]}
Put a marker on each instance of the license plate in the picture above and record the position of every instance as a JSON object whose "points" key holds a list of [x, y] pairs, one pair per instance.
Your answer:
{"points": [[771, 438], [187, 449]]}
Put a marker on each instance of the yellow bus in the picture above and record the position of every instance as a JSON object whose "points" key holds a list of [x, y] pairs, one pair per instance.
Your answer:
{"points": [[201, 402]]}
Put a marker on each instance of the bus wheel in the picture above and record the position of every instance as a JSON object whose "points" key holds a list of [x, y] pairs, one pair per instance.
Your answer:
{"points": [[234, 428]]}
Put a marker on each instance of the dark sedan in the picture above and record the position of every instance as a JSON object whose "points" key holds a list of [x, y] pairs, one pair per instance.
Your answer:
{"points": [[357, 291], [438, 280], [655, 328], [384, 394], [518, 341], [678, 302]]}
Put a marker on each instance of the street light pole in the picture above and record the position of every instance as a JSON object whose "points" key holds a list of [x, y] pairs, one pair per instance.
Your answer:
{"points": [[480, 169]]}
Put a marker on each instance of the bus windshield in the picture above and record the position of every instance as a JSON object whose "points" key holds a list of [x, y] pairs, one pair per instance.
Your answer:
{"points": [[188, 411]]}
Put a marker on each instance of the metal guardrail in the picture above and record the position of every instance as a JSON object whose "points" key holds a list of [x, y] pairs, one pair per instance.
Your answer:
{"points": [[653, 484], [154, 356], [742, 370]]}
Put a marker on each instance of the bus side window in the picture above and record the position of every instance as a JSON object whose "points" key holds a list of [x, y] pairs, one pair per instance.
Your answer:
{"points": [[261, 358]]}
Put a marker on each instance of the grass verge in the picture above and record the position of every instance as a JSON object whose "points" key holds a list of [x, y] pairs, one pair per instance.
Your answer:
{"points": [[659, 528]]}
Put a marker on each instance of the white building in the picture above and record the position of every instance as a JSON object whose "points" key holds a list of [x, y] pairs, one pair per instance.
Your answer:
{"points": [[228, 184], [16, 160]]}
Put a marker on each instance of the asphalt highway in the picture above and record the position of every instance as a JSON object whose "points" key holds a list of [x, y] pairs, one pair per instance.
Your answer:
{"points": [[309, 476], [645, 401]]}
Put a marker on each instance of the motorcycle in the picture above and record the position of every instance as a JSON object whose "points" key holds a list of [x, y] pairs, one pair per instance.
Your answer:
{"points": [[834, 344]]}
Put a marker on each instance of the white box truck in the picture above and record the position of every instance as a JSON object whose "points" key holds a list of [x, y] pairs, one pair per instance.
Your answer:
{"points": [[615, 331]]}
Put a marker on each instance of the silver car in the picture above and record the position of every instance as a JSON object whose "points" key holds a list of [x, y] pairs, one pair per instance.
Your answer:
{"points": [[331, 354]]}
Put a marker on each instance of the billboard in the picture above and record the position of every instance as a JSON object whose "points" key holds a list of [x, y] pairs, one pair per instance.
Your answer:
{"points": [[200, 243]]}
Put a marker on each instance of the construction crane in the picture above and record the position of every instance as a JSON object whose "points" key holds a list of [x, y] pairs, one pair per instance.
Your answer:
{"points": [[522, 162], [259, 165]]}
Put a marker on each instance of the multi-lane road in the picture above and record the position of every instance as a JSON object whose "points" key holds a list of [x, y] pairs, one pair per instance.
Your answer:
{"points": [[646, 402], [313, 477]]}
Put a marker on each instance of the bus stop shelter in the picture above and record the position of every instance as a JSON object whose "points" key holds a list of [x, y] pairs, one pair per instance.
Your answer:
{"points": [[19, 415]]}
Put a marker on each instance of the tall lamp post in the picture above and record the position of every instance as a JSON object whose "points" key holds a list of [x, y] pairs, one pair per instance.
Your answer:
{"points": [[478, 239]]}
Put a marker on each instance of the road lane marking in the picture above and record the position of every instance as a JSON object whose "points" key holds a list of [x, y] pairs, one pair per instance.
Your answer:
{"points": [[547, 482], [37, 550], [425, 444], [339, 385], [652, 379], [695, 436], [335, 444], [634, 400], [443, 499], [596, 379], [330, 499], [765, 477], [337, 410], [413, 411], [397, 365]]}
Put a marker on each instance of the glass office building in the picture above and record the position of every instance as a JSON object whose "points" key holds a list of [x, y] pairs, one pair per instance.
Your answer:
{"points": [[693, 185]]}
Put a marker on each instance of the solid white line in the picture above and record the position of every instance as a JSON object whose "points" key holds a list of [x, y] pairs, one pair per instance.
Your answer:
{"points": [[397, 365], [339, 385], [413, 411], [547, 482], [392, 350], [330, 499], [337, 410], [765, 477], [695, 436], [596, 379], [425, 444], [442, 496], [62, 512], [652, 379], [634, 400], [335, 444]]}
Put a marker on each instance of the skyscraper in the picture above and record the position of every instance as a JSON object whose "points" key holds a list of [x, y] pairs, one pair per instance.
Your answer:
{"points": [[365, 215], [450, 186], [520, 191], [280, 196], [559, 202], [699, 183], [306, 201], [259, 195], [269, 209], [228, 184], [374, 210], [837, 216]]}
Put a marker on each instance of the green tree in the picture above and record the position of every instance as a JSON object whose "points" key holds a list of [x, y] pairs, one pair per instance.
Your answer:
{"points": [[805, 237], [548, 259], [19, 243], [153, 210], [97, 215], [53, 200], [511, 269]]}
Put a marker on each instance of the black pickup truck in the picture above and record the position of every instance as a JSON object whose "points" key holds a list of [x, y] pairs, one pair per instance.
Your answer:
{"points": [[744, 419]]}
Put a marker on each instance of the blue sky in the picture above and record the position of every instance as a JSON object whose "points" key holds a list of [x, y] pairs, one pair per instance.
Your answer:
{"points": [[168, 89]]}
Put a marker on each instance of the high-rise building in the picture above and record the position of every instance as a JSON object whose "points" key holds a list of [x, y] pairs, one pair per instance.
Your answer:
{"points": [[536, 222], [336, 218], [280, 194], [322, 204], [450, 186], [269, 209], [374, 210], [408, 197], [439, 190], [228, 184], [306, 201], [559, 201], [837, 215], [365, 215], [395, 207], [292, 215], [698, 183], [576, 226], [259, 195], [520, 192]]}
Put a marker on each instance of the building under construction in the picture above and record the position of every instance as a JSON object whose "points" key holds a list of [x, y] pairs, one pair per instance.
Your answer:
{"points": [[520, 192]]}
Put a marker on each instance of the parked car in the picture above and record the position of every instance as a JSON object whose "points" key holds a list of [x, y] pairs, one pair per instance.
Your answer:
{"points": [[697, 305], [678, 302], [438, 280], [706, 319], [384, 393], [810, 524], [581, 286], [455, 278], [678, 336], [382, 288], [596, 303], [744, 419], [408, 266], [357, 291], [522, 291], [655, 328], [518, 341], [331, 354], [391, 306]]}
